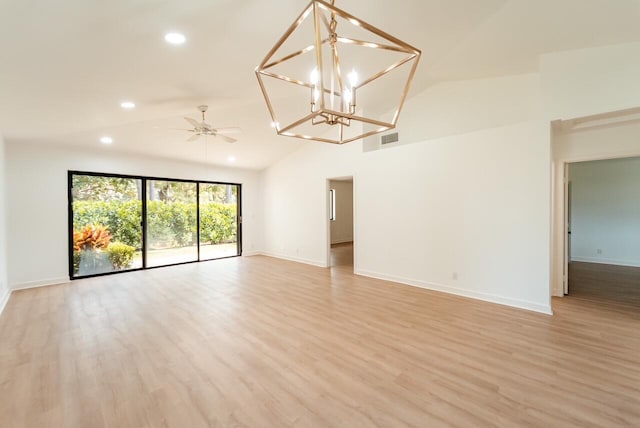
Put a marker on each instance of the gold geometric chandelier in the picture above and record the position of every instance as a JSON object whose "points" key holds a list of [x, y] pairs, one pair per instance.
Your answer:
{"points": [[335, 78]]}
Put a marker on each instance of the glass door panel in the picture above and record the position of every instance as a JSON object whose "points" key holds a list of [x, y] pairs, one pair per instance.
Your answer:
{"points": [[171, 222], [107, 224], [218, 221]]}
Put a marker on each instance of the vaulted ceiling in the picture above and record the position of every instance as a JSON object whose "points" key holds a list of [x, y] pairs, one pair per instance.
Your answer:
{"points": [[66, 66]]}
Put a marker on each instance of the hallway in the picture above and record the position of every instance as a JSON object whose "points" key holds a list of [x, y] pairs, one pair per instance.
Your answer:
{"points": [[618, 287], [342, 256]]}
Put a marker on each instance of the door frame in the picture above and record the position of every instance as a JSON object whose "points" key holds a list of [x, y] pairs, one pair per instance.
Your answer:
{"points": [[143, 225], [328, 222], [566, 220], [564, 254], [624, 147]]}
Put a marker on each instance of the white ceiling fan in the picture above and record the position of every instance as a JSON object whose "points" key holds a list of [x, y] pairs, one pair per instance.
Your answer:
{"points": [[203, 128]]}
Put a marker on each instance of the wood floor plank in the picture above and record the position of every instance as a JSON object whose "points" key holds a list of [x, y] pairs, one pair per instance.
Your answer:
{"points": [[261, 342]]}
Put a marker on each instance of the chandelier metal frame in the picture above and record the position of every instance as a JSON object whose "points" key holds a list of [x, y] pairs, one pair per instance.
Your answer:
{"points": [[337, 84]]}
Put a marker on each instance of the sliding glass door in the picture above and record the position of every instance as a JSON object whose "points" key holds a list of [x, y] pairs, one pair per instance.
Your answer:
{"points": [[119, 223], [218, 220], [106, 227], [172, 225]]}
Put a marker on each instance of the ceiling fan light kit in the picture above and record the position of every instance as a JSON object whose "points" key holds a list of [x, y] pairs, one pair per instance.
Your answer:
{"points": [[348, 79]]}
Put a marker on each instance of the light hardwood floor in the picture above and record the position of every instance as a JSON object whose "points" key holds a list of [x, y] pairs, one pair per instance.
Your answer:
{"points": [[261, 342], [342, 256]]}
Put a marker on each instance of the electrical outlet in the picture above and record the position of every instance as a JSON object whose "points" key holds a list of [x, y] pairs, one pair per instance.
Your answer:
{"points": [[454, 276], [599, 251]]}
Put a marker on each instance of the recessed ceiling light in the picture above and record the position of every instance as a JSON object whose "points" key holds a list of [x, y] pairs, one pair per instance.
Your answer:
{"points": [[231, 159], [128, 105], [275, 125], [106, 140], [175, 38]]}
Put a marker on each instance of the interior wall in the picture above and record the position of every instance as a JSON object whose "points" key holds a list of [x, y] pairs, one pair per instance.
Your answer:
{"points": [[453, 108], [605, 211], [295, 200], [4, 287], [37, 203], [590, 81], [342, 226], [466, 213]]}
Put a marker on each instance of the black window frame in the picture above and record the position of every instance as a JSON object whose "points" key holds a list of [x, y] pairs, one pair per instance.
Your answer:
{"points": [[144, 180]]}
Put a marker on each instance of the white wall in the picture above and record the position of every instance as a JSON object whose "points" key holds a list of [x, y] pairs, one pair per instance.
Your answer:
{"points": [[294, 194], [605, 211], [4, 287], [474, 205], [452, 108], [342, 226], [591, 81], [37, 203]]}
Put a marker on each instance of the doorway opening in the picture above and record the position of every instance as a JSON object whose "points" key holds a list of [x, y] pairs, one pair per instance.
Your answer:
{"points": [[602, 137], [603, 229], [340, 242]]}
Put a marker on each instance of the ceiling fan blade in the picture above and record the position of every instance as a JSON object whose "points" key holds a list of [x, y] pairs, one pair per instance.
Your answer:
{"points": [[192, 122], [231, 130], [194, 137], [227, 139]]}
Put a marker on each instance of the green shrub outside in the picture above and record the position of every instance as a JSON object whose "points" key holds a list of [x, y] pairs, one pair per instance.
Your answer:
{"points": [[120, 255], [171, 224], [121, 217], [217, 223]]}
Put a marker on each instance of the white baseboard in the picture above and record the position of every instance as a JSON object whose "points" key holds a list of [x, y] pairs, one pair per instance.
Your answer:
{"points": [[516, 303], [605, 261], [293, 259], [42, 283], [4, 299], [251, 253]]}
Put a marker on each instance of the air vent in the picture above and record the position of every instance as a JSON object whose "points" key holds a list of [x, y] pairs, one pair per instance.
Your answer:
{"points": [[389, 138]]}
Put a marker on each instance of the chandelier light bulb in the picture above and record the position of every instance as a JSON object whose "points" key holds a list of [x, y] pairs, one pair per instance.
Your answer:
{"points": [[334, 110], [314, 77], [353, 78], [347, 96]]}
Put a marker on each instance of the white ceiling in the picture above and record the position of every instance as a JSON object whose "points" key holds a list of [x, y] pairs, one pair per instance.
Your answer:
{"points": [[66, 66]]}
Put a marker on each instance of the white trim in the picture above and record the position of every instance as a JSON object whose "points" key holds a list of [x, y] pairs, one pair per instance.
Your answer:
{"points": [[605, 261], [41, 283], [600, 156], [251, 253], [4, 300], [292, 259], [516, 303]]}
